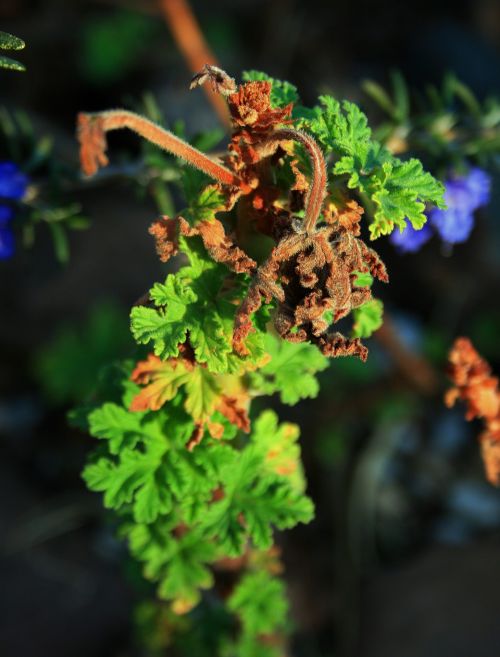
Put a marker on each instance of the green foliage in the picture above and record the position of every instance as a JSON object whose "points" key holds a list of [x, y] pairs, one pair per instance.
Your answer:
{"points": [[146, 473], [397, 189], [447, 124], [259, 602], [44, 205], [368, 318], [111, 46], [11, 42], [67, 367], [290, 371], [190, 301], [195, 485], [261, 498]]}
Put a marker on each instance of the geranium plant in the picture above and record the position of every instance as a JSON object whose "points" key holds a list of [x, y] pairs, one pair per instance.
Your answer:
{"points": [[270, 262]]}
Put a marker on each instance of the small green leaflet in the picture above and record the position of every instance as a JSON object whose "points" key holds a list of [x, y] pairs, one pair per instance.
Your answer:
{"points": [[279, 448], [177, 563], [256, 497], [116, 425], [363, 279], [148, 466], [260, 603], [191, 301], [186, 302], [202, 205], [399, 190], [368, 318], [11, 42], [134, 479], [290, 371]]}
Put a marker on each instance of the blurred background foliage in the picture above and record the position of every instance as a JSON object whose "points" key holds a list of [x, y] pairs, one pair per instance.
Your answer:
{"points": [[402, 558]]}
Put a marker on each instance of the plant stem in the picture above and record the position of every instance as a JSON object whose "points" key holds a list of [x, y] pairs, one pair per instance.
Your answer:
{"points": [[317, 191], [414, 367], [116, 119], [192, 44]]}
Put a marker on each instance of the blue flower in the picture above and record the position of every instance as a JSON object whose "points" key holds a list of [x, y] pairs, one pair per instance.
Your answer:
{"points": [[7, 244], [6, 214], [410, 240], [479, 185], [463, 195], [13, 182]]}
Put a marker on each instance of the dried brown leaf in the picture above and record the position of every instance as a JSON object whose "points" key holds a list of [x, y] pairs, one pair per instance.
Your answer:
{"points": [[475, 386], [165, 231], [93, 144]]}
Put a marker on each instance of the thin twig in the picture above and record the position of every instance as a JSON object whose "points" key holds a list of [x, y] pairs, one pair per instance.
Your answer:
{"points": [[415, 368], [317, 191], [93, 127], [191, 42]]}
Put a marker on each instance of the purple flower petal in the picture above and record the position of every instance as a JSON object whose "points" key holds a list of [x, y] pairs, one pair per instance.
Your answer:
{"points": [[453, 225], [457, 195], [7, 245], [13, 182], [6, 214], [478, 183], [410, 240]]}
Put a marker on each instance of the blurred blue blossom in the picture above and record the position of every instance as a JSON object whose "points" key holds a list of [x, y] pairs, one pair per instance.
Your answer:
{"points": [[463, 195], [6, 242], [410, 240], [13, 184]]}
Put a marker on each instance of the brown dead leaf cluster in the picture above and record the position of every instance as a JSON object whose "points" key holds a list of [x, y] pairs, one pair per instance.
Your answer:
{"points": [[474, 385], [311, 272], [217, 242], [92, 138], [312, 277]]}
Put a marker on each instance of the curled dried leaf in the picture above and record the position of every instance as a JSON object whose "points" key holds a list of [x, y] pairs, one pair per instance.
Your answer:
{"points": [[250, 107], [490, 452], [92, 137], [474, 385], [219, 245], [165, 231], [309, 274], [235, 409]]}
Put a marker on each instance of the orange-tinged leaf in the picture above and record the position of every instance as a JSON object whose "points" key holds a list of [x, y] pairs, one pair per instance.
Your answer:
{"points": [[162, 379], [219, 245], [93, 145], [474, 385], [165, 232], [251, 107], [235, 409], [490, 451]]}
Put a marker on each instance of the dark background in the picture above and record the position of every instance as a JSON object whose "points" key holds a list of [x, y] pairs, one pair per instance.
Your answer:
{"points": [[403, 559]]}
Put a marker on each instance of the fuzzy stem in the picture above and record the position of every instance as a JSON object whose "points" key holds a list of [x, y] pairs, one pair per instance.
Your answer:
{"points": [[116, 119], [317, 191], [192, 44]]}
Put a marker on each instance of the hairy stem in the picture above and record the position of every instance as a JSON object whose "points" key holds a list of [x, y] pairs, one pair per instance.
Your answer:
{"points": [[317, 191], [92, 128]]}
